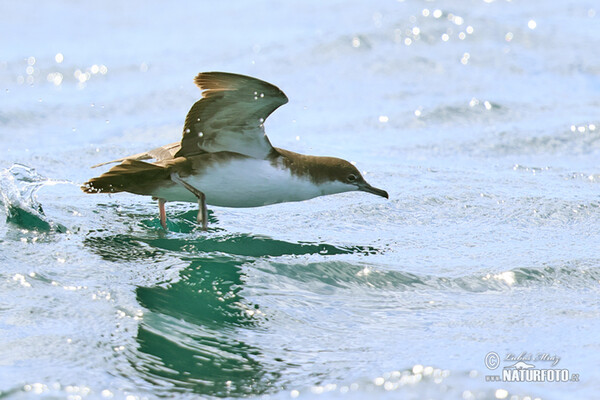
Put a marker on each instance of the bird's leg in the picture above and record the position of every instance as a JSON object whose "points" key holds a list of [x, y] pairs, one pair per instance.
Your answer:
{"points": [[162, 213], [203, 211]]}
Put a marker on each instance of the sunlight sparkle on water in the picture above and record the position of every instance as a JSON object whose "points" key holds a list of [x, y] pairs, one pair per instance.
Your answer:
{"points": [[501, 394], [55, 78], [465, 58], [456, 19]]}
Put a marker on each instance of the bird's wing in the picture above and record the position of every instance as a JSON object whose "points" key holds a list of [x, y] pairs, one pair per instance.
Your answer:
{"points": [[230, 115], [161, 153]]}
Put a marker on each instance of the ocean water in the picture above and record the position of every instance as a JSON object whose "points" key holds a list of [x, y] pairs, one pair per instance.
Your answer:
{"points": [[480, 118]]}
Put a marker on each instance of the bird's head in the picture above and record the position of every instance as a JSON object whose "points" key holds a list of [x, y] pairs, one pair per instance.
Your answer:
{"points": [[342, 171]]}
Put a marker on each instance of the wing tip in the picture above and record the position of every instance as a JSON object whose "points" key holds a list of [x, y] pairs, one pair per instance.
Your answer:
{"points": [[216, 81]]}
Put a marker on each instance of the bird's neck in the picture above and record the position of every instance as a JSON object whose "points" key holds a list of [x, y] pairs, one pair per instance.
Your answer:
{"points": [[315, 168]]}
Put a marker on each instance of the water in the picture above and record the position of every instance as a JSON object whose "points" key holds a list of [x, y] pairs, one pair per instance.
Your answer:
{"points": [[479, 118]]}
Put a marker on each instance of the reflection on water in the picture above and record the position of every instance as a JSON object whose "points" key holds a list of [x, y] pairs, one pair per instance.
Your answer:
{"points": [[191, 337], [189, 334], [121, 248], [253, 246], [207, 294], [129, 248]]}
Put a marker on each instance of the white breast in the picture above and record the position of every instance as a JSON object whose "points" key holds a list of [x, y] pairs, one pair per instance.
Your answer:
{"points": [[249, 183]]}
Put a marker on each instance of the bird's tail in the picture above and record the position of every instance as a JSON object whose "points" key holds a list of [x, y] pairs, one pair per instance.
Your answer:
{"points": [[130, 176]]}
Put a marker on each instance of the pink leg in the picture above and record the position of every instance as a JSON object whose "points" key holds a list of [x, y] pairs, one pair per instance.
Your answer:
{"points": [[162, 213]]}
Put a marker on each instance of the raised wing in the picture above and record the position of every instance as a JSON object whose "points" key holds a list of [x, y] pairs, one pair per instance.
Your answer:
{"points": [[230, 115], [161, 153]]}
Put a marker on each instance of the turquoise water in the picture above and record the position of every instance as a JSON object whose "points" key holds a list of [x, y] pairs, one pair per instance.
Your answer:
{"points": [[480, 118]]}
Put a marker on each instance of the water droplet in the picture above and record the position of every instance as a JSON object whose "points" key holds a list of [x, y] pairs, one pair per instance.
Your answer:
{"points": [[531, 24], [59, 58]]}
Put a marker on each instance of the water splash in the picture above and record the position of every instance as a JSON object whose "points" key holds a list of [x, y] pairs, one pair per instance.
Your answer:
{"points": [[18, 190]]}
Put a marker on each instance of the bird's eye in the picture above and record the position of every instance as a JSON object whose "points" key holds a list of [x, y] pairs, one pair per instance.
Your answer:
{"points": [[351, 178]]}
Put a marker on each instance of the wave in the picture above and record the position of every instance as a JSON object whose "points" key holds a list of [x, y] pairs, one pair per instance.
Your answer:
{"points": [[340, 274], [18, 190]]}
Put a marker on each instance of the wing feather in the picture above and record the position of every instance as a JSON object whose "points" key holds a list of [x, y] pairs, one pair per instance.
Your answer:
{"points": [[161, 153], [230, 115]]}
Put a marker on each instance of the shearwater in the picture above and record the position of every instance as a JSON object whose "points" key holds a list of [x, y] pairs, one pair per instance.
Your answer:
{"points": [[226, 159]]}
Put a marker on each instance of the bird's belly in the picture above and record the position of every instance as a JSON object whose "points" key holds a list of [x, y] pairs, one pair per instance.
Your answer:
{"points": [[244, 183]]}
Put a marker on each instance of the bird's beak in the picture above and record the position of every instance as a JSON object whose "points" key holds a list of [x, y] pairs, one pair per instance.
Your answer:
{"points": [[365, 187]]}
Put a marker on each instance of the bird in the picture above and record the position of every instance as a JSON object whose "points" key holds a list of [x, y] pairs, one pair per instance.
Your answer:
{"points": [[225, 158]]}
